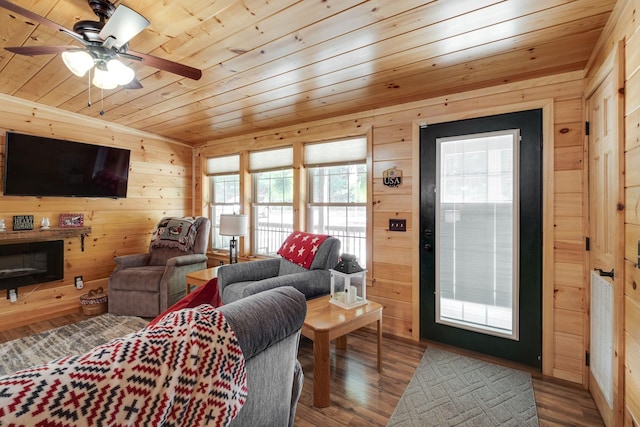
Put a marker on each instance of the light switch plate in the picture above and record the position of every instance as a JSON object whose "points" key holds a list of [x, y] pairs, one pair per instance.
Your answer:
{"points": [[397, 225]]}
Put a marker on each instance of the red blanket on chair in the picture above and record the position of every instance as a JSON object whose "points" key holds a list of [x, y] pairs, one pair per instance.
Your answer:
{"points": [[207, 294]]}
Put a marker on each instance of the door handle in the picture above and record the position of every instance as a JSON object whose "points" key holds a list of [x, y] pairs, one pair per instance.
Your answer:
{"points": [[605, 273]]}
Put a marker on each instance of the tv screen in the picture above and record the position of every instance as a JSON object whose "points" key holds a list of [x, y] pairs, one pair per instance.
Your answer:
{"points": [[39, 166]]}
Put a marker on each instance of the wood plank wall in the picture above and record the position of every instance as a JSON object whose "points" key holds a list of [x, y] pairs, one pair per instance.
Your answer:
{"points": [[624, 27], [160, 184], [395, 256], [632, 224]]}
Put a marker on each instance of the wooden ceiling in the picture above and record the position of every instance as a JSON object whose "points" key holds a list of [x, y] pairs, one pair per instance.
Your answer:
{"points": [[269, 64]]}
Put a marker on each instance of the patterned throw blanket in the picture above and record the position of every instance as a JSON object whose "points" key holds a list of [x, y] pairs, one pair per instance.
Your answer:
{"points": [[176, 233], [185, 370]]}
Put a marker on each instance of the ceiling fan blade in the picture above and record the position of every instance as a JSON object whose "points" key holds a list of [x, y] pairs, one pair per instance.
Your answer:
{"points": [[41, 50], [39, 19], [170, 66], [133, 84], [124, 24]]}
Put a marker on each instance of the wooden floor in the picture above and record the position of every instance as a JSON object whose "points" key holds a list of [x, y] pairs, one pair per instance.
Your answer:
{"points": [[361, 396]]}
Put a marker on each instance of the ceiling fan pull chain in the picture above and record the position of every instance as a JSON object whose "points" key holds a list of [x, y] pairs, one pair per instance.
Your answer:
{"points": [[102, 102], [89, 84]]}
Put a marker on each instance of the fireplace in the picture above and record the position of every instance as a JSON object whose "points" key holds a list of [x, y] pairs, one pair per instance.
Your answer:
{"points": [[29, 263]]}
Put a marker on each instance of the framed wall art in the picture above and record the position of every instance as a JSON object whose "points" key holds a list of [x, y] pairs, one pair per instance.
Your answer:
{"points": [[68, 220]]}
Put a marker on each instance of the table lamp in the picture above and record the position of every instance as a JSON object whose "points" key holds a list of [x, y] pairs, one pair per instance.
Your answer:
{"points": [[233, 225]]}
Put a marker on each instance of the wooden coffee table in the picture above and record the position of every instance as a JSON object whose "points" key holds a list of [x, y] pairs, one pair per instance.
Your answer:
{"points": [[325, 322], [201, 277]]}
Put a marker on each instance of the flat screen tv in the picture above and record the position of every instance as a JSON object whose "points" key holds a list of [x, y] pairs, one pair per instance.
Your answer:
{"points": [[39, 166]]}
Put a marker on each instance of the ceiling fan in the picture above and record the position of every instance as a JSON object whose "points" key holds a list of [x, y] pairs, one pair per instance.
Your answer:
{"points": [[103, 43]]}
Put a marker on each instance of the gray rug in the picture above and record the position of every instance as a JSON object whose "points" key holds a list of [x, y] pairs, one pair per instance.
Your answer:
{"points": [[65, 340], [449, 389]]}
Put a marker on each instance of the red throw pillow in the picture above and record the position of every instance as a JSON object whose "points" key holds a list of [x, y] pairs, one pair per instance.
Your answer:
{"points": [[300, 247]]}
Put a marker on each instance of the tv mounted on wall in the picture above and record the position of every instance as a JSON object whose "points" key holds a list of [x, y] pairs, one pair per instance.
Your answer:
{"points": [[40, 166]]}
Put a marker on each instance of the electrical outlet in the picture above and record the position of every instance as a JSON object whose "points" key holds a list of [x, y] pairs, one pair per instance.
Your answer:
{"points": [[397, 225], [78, 282]]}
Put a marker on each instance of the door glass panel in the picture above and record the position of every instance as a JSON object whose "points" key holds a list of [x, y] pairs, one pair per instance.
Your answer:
{"points": [[477, 238]]}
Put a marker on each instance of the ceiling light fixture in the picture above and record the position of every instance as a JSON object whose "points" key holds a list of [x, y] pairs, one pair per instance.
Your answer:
{"points": [[108, 74], [78, 62]]}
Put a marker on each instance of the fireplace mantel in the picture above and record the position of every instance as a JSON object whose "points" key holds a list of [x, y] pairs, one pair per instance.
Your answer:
{"points": [[50, 233]]}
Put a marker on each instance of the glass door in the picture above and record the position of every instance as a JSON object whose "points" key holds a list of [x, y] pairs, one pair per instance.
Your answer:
{"points": [[481, 235], [477, 237]]}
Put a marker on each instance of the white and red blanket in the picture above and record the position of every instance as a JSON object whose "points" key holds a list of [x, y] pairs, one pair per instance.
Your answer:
{"points": [[300, 247], [177, 233], [185, 370]]}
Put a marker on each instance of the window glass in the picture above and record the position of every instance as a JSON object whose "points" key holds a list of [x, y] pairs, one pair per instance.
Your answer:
{"points": [[272, 209], [477, 259], [337, 206], [225, 199]]}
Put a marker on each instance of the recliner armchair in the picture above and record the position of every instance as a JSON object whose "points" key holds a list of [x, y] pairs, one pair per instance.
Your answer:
{"points": [[237, 281], [145, 285]]}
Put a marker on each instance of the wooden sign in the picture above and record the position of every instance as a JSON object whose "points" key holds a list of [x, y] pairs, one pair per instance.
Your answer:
{"points": [[22, 222], [392, 177]]}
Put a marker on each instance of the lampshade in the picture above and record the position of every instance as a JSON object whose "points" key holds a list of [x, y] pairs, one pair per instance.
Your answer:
{"points": [[122, 73], [104, 79], [78, 62], [233, 225]]}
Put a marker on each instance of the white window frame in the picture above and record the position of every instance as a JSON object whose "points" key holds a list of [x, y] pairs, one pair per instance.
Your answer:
{"points": [[512, 334], [268, 163], [225, 168], [335, 154]]}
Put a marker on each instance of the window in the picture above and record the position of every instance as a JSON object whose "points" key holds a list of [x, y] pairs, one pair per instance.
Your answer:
{"points": [[477, 263], [272, 189], [224, 197], [337, 202]]}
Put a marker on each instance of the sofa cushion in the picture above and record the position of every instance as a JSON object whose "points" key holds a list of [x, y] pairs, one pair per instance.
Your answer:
{"points": [[235, 291], [287, 267], [137, 279]]}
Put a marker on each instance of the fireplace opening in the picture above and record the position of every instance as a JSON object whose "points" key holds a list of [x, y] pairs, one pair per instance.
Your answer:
{"points": [[30, 263]]}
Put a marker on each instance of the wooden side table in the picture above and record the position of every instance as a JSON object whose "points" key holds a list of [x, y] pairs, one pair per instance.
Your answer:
{"points": [[325, 322], [201, 277]]}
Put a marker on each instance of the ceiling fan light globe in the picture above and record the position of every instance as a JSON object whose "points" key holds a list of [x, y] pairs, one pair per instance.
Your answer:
{"points": [[78, 62], [104, 79], [121, 72]]}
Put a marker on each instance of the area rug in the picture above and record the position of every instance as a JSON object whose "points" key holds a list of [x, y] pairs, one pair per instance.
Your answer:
{"points": [[449, 389], [65, 340]]}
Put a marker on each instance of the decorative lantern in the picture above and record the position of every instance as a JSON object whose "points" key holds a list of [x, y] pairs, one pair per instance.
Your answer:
{"points": [[354, 277]]}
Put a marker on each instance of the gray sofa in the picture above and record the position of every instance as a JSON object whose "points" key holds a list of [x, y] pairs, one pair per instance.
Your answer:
{"points": [[268, 326], [240, 280]]}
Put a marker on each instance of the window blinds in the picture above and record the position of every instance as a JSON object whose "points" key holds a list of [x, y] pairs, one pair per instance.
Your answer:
{"points": [[336, 152], [271, 159], [223, 165]]}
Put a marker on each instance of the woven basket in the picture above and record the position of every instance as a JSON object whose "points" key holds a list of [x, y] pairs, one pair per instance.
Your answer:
{"points": [[94, 303]]}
